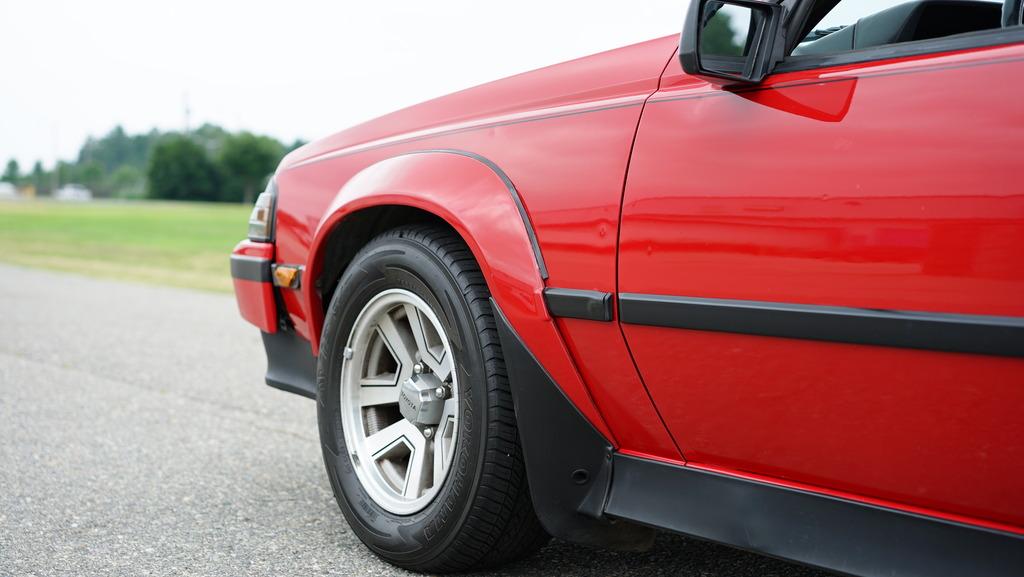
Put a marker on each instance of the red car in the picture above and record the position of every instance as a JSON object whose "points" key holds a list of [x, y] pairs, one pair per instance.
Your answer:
{"points": [[762, 284]]}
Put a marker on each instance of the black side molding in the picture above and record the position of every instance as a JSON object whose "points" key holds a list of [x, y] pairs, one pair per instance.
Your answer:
{"points": [[250, 268], [569, 479], [836, 534], [979, 334], [290, 364], [579, 304]]}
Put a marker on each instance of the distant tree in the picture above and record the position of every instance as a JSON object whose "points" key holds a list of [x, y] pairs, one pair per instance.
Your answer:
{"points": [[246, 161], [40, 179], [122, 165], [65, 173], [179, 169], [296, 144], [12, 173], [211, 137], [91, 175], [127, 182], [117, 148]]}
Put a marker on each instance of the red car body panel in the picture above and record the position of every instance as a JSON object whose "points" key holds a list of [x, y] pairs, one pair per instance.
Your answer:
{"points": [[908, 204], [563, 135], [898, 210], [472, 199]]}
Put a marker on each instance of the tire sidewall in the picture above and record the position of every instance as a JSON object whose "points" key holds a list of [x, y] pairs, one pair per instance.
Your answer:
{"points": [[389, 263]]}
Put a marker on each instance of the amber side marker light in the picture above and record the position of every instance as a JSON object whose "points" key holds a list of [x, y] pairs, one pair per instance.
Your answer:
{"points": [[287, 276]]}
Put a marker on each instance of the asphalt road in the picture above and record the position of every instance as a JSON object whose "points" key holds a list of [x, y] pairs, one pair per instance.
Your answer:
{"points": [[137, 438]]}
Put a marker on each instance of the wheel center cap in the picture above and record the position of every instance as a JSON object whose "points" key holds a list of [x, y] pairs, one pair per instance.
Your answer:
{"points": [[418, 399]]}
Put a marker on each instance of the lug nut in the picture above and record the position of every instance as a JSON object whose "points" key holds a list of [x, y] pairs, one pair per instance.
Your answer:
{"points": [[417, 368], [428, 432], [439, 392]]}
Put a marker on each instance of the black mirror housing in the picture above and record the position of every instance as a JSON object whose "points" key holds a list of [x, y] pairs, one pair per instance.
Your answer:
{"points": [[711, 48]]}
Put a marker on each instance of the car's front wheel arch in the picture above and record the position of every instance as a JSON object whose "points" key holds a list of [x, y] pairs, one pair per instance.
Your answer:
{"points": [[477, 512]]}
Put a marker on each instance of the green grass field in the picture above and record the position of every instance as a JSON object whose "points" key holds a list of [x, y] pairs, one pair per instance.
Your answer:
{"points": [[180, 244]]}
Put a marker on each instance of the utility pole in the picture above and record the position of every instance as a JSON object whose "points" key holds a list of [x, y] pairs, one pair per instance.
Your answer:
{"points": [[188, 113], [56, 159]]}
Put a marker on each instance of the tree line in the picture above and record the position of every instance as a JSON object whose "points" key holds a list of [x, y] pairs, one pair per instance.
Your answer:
{"points": [[206, 164]]}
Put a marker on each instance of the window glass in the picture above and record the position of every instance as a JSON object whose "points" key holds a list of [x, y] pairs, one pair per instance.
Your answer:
{"points": [[861, 24], [849, 11]]}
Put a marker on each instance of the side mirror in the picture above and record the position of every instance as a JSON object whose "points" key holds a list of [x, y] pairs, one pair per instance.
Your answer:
{"points": [[732, 39]]}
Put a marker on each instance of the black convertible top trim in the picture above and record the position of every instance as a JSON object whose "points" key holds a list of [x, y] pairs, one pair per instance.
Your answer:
{"points": [[981, 39]]}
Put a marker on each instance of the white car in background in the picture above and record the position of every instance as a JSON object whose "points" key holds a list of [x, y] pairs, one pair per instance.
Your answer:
{"points": [[8, 191], [73, 192]]}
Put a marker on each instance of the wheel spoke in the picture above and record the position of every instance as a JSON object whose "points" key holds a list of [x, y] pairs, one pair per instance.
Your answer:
{"points": [[442, 369], [382, 380], [396, 334], [403, 349], [438, 461], [418, 472], [441, 445], [387, 436], [449, 411], [416, 324], [373, 395]]}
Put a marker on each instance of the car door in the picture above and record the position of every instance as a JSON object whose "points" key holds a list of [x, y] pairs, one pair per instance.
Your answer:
{"points": [[821, 277]]}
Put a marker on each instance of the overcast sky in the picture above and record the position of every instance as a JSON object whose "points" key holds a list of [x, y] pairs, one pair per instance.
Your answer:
{"points": [[296, 69]]}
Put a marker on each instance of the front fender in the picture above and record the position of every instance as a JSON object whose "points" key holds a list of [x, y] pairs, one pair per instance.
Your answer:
{"points": [[480, 202]]}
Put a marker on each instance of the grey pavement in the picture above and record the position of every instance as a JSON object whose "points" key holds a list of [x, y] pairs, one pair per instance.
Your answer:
{"points": [[137, 438]]}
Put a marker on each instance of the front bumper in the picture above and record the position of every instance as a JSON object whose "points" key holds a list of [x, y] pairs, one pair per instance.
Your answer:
{"points": [[290, 365], [254, 288]]}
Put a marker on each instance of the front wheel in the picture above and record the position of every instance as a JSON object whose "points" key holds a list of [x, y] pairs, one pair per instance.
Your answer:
{"points": [[416, 418]]}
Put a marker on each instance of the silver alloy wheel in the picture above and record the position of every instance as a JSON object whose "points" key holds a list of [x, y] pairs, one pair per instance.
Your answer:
{"points": [[398, 351]]}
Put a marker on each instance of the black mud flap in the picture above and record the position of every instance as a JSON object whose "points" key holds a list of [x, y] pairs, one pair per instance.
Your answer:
{"points": [[290, 364], [568, 462]]}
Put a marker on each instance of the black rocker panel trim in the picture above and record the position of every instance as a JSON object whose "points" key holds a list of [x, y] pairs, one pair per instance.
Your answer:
{"points": [[290, 364], [579, 304], [250, 268], [828, 532], [569, 478], [987, 335]]}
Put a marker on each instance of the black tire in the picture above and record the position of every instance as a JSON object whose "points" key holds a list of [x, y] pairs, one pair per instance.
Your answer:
{"points": [[482, 516]]}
